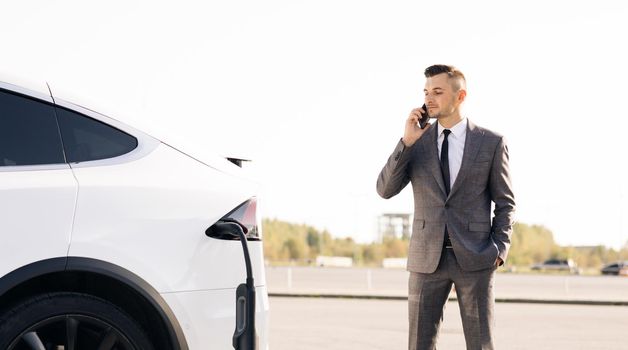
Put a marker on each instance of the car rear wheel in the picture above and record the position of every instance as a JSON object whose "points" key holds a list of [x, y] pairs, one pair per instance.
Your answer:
{"points": [[70, 321]]}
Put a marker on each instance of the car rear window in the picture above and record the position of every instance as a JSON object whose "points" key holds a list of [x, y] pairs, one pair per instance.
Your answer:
{"points": [[86, 139], [29, 134]]}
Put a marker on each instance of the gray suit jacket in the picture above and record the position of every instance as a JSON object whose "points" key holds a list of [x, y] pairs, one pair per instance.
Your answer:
{"points": [[484, 177]]}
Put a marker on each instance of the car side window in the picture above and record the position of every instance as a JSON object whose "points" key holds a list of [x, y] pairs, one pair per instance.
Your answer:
{"points": [[87, 139], [29, 134]]}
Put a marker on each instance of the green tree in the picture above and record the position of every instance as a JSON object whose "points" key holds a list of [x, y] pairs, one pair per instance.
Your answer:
{"points": [[373, 254], [395, 248], [531, 244], [284, 241], [313, 240], [295, 249]]}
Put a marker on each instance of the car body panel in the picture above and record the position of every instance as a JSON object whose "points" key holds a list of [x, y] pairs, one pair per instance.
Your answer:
{"points": [[161, 204], [47, 193]]}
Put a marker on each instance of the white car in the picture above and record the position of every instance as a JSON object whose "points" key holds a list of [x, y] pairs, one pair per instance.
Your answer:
{"points": [[111, 239], [557, 265]]}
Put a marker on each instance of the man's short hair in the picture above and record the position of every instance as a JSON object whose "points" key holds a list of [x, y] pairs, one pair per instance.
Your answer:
{"points": [[457, 78]]}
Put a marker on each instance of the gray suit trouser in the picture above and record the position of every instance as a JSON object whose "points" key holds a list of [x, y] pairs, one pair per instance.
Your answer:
{"points": [[428, 293]]}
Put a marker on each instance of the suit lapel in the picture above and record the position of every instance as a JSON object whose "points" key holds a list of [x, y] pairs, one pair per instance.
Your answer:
{"points": [[430, 148], [472, 145]]}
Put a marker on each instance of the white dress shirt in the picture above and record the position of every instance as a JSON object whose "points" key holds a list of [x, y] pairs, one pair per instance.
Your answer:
{"points": [[456, 147]]}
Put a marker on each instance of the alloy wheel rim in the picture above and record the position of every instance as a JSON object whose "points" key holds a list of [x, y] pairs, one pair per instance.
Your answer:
{"points": [[71, 332]]}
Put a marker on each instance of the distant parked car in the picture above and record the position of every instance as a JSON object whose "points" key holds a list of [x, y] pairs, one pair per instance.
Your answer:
{"points": [[557, 265], [616, 268]]}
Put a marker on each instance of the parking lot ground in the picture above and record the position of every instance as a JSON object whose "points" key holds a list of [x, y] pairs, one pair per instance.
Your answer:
{"points": [[340, 324], [557, 288]]}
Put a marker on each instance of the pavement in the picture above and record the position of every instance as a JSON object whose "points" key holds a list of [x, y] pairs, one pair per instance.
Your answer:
{"points": [[391, 284], [339, 324], [360, 308]]}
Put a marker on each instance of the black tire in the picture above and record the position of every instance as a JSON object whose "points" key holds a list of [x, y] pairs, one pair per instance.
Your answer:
{"points": [[70, 321]]}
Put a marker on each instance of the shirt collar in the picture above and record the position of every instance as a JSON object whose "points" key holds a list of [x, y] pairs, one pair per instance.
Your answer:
{"points": [[458, 130]]}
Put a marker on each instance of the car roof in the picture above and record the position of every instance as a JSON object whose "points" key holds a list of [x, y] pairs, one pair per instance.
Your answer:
{"points": [[38, 90], [41, 90]]}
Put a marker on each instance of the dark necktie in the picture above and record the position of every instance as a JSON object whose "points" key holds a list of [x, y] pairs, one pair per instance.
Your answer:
{"points": [[444, 161], [444, 166]]}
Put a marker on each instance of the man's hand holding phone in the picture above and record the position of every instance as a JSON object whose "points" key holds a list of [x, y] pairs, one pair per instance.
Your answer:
{"points": [[413, 131]]}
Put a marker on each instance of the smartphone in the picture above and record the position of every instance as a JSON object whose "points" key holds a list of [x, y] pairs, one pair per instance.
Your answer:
{"points": [[425, 118]]}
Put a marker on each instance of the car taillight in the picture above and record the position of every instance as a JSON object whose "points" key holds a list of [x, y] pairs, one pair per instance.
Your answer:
{"points": [[246, 215]]}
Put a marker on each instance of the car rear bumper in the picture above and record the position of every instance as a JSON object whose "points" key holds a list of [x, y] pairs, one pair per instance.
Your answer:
{"points": [[207, 317]]}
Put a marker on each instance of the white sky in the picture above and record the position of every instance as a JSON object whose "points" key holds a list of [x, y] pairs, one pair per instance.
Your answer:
{"points": [[317, 92]]}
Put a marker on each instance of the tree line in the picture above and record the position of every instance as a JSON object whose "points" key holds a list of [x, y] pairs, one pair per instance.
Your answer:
{"points": [[286, 242]]}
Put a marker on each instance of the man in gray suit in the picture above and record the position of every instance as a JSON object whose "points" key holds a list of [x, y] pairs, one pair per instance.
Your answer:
{"points": [[457, 169]]}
